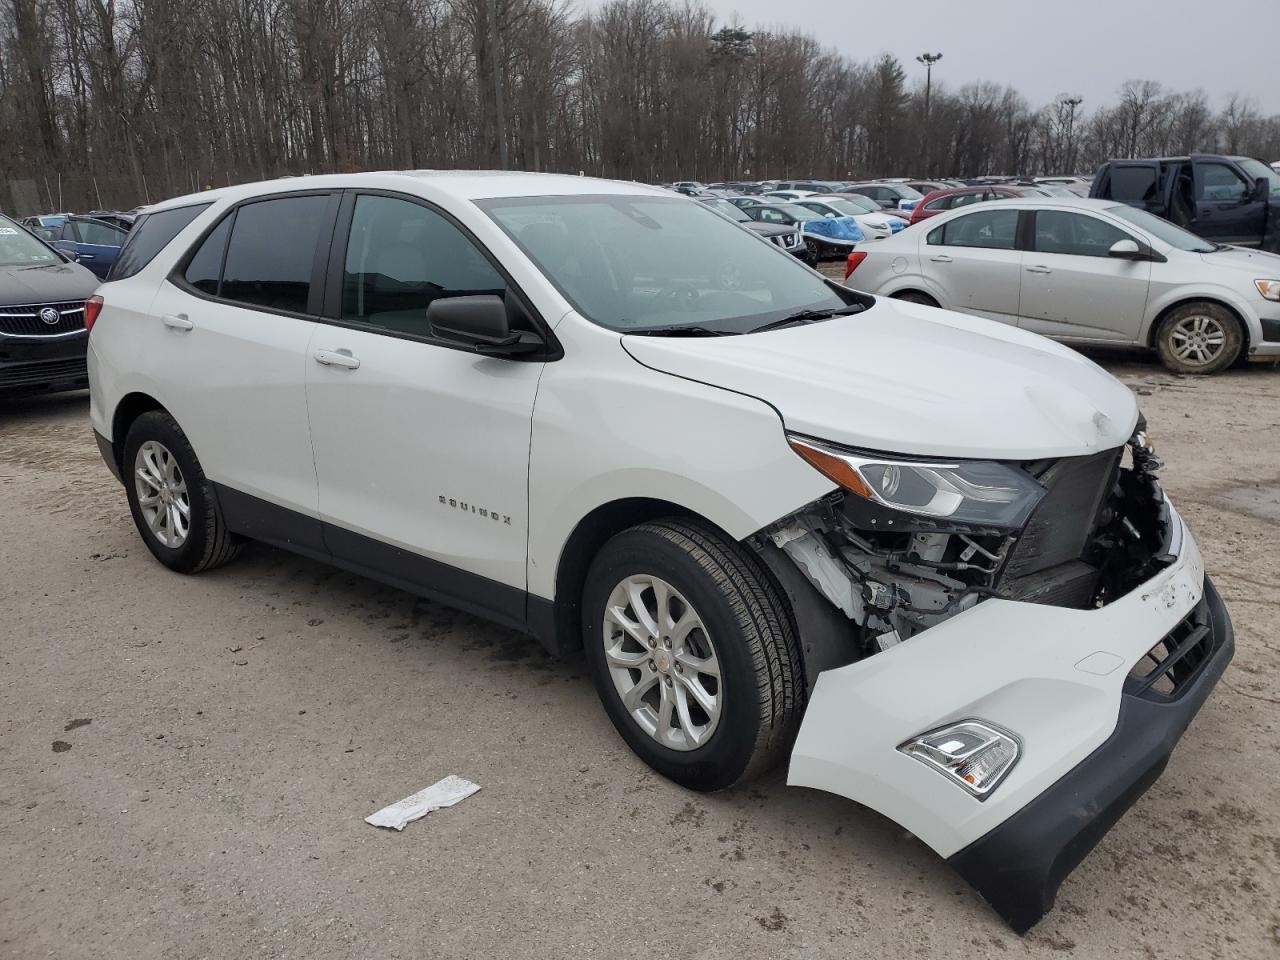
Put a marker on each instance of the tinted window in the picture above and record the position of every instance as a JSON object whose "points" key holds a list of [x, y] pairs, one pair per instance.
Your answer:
{"points": [[205, 266], [989, 229], [770, 215], [1220, 182], [99, 233], [1058, 231], [400, 257], [149, 236], [1131, 184], [964, 199], [272, 252]]}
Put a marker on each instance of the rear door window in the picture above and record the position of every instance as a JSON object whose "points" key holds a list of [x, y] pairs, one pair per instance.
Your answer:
{"points": [[994, 229], [272, 252], [99, 233], [149, 236], [1135, 183]]}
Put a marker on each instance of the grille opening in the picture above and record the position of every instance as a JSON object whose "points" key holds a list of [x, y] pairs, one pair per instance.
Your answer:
{"points": [[1165, 671], [23, 320]]}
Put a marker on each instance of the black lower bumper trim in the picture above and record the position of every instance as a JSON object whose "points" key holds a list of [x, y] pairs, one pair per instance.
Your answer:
{"points": [[1019, 865], [108, 455]]}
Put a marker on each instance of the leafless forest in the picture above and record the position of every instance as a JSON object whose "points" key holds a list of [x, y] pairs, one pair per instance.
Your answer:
{"points": [[117, 102]]}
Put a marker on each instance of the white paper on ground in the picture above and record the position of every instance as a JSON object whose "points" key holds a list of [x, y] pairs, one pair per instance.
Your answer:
{"points": [[444, 793]]}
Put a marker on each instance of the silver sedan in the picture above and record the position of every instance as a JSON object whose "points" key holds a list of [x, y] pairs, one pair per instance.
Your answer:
{"points": [[1087, 272]]}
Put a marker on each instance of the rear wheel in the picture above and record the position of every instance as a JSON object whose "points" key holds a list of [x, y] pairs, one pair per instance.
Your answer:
{"points": [[172, 502], [693, 653], [1199, 338]]}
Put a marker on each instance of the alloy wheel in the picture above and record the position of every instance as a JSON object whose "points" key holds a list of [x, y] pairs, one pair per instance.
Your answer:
{"points": [[162, 494], [1198, 339], [662, 662]]}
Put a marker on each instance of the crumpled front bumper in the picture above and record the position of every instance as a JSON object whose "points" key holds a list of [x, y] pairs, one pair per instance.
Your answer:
{"points": [[1057, 678]]}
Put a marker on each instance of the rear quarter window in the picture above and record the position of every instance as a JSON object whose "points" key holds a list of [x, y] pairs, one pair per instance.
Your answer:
{"points": [[149, 236]]}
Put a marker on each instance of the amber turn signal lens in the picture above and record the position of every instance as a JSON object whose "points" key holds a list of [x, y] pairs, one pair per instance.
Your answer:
{"points": [[834, 468]]}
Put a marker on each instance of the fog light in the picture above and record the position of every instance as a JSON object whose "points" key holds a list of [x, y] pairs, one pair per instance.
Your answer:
{"points": [[972, 753]]}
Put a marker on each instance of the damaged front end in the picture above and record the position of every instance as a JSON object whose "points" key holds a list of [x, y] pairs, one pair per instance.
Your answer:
{"points": [[1000, 656]]}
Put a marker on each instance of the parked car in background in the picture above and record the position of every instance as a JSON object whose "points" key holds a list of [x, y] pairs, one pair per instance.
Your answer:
{"points": [[893, 196], [826, 237], [921, 557], [1233, 200], [1087, 272], [865, 203], [940, 201], [1077, 185], [45, 225], [787, 194], [42, 325], [926, 187], [688, 187], [116, 218], [788, 237], [811, 186], [875, 226], [91, 243]]}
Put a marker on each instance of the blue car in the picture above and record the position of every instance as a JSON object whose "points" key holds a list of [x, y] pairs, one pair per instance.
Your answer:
{"points": [[827, 237], [91, 242]]}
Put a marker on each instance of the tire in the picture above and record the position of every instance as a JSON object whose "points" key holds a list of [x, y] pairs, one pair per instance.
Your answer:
{"points": [[1199, 337], [913, 296], [168, 456], [744, 629]]}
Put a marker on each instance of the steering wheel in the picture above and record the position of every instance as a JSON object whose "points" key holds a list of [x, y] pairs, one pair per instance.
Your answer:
{"points": [[681, 295]]}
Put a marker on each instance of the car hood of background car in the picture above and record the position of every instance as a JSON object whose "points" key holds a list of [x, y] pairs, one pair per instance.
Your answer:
{"points": [[845, 228], [908, 379], [1264, 266], [769, 229], [55, 283]]}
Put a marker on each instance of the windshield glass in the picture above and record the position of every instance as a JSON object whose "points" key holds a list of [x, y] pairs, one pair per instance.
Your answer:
{"points": [[1256, 170], [1173, 235], [796, 211], [905, 192], [729, 210], [865, 204], [639, 263], [845, 207], [20, 249]]}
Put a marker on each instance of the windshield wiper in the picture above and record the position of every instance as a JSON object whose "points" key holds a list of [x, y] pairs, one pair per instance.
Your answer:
{"points": [[688, 331], [809, 316]]}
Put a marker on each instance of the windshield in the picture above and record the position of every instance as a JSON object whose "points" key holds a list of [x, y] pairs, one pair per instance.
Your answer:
{"points": [[846, 208], [20, 249], [864, 204], [1163, 230], [728, 209], [1257, 170], [796, 212], [643, 264], [905, 192]]}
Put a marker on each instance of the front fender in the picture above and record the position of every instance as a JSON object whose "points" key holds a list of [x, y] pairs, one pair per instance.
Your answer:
{"points": [[1158, 306]]}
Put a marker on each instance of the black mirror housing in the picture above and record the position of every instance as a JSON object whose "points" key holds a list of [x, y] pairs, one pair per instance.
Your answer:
{"points": [[1262, 189], [479, 323]]}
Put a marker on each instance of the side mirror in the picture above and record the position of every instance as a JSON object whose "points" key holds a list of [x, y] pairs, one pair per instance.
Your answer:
{"points": [[829, 215], [1261, 189], [479, 323], [1126, 250]]}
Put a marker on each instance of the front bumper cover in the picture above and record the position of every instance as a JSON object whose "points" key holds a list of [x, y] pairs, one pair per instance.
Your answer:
{"points": [[1060, 680], [1019, 865]]}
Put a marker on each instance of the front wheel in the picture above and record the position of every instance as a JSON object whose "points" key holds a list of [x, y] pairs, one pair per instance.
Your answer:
{"points": [[1199, 338], [693, 653]]}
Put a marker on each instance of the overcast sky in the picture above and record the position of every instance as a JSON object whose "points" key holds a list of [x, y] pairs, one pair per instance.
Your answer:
{"points": [[1084, 47]]}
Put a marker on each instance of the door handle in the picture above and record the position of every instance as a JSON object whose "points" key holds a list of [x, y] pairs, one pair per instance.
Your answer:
{"points": [[177, 321], [943, 258], [1038, 270], [337, 358], [87, 256]]}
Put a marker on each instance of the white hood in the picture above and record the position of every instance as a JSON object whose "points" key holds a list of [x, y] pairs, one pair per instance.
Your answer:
{"points": [[1263, 266], [903, 378]]}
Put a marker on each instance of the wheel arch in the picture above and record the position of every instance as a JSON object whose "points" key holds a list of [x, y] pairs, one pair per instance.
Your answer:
{"points": [[130, 408]]}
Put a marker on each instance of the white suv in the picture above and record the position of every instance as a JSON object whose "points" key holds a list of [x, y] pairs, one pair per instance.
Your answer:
{"points": [[924, 553]]}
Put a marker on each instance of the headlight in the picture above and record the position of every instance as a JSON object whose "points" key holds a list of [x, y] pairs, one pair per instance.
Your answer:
{"points": [[1268, 288], [972, 754], [975, 492]]}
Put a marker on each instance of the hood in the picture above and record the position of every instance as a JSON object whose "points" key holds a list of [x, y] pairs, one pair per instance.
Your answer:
{"points": [[52, 284], [769, 229], [1262, 266], [903, 378]]}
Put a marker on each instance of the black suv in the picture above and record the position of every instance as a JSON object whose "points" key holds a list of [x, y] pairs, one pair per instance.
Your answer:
{"points": [[1233, 200], [42, 331]]}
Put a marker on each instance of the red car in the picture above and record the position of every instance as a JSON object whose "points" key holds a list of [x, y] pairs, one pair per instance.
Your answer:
{"points": [[940, 201]]}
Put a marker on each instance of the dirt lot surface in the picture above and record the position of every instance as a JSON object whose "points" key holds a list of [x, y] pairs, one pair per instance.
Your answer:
{"points": [[185, 762]]}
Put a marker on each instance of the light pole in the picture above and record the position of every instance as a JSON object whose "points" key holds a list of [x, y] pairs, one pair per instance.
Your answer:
{"points": [[1071, 102], [928, 59]]}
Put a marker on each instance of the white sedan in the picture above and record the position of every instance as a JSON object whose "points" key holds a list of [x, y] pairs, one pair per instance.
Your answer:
{"points": [[1087, 272], [876, 226]]}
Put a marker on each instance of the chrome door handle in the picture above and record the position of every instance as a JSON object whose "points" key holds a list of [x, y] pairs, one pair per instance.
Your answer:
{"points": [[1038, 270], [941, 259], [177, 321], [337, 358], [87, 256]]}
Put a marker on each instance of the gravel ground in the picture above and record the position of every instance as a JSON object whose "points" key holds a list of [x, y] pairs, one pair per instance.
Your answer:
{"points": [[185, 762]]}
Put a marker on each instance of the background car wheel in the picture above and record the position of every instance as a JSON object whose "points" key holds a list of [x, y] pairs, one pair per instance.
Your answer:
{"points": [[913, 296], [693, 653], [172, 502], [1199, 338]]}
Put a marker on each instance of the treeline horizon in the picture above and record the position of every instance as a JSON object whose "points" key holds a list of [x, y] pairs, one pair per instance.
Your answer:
{"points": [[114, 103]]}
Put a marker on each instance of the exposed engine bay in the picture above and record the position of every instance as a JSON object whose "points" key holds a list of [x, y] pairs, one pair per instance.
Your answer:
{"points": [[1099, 526]]}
